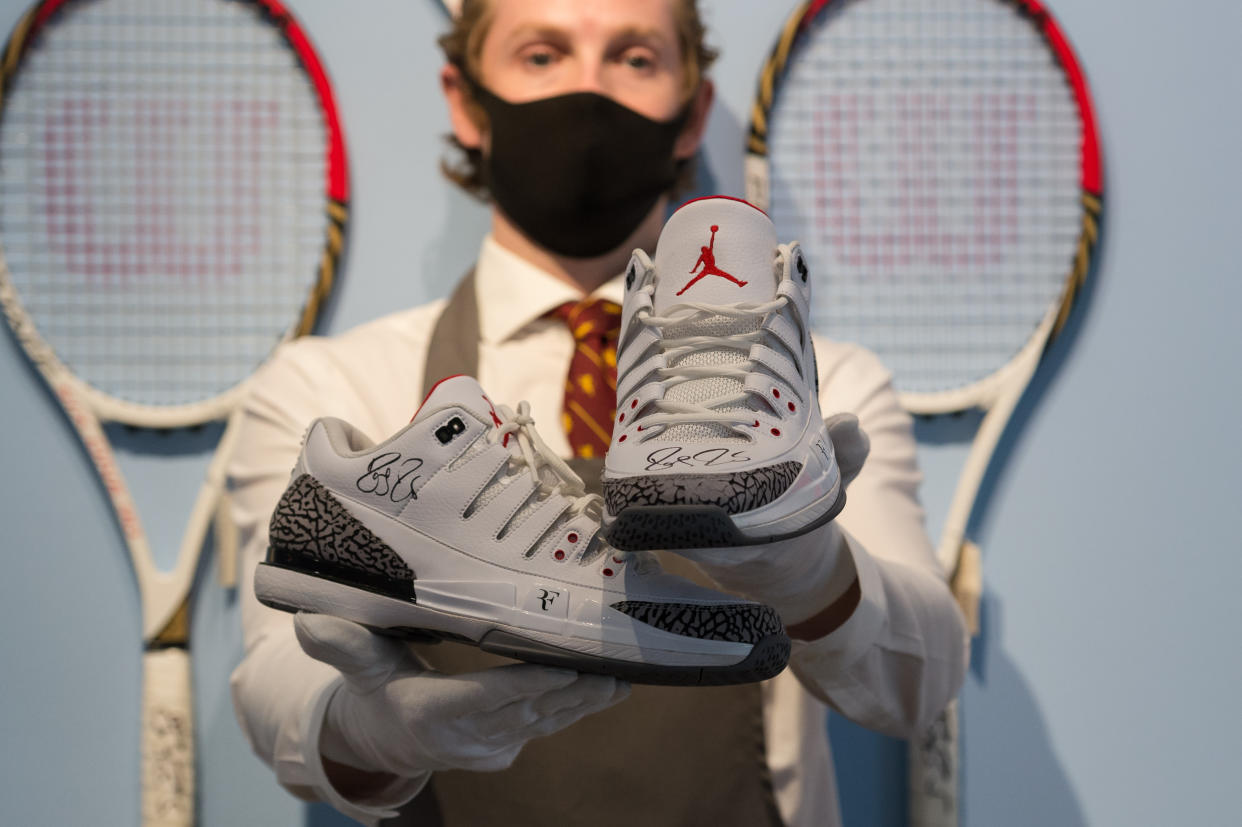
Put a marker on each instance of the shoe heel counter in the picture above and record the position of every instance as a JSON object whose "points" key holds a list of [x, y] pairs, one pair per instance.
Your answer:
{"points": [[316, 453], [311, 531]]}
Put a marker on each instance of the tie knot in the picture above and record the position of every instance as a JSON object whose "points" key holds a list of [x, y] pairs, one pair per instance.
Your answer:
{"points": [[591, 319]]}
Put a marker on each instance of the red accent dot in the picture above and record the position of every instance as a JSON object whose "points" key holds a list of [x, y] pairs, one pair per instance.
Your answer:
{"points": [[559, 554], [621, 418], [621, 438], [791, 407], [776, 392], [634, 404], [608, 572], [573, 537], [776, 432]]}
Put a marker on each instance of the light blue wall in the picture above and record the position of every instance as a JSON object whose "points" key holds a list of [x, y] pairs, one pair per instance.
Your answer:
{"points": [[1105, 682]]}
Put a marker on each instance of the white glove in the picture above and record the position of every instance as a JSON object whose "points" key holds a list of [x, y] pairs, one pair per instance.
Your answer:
{"points": [[801, 576], [391, 715], [851, 444]]}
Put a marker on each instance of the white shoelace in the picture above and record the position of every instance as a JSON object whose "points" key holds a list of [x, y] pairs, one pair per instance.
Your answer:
{"points": [[706, 410], [533, 454]]}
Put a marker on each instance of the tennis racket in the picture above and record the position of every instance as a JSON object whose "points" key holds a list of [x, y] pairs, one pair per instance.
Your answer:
{"points": [[172, 205], [939, 161]]}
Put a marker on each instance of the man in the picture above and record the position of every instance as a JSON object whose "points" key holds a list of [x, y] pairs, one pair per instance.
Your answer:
{"points": [[577, 120]]}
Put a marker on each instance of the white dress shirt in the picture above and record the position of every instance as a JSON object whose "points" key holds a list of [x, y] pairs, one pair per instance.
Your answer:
{"points": [[891, 667]]}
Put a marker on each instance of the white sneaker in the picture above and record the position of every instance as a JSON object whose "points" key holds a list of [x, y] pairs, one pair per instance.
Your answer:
{"points": [[463, 525], [719, 440]]}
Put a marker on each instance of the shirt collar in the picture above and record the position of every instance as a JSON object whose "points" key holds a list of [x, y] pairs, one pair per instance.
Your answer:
{"points": [[513, 293]]}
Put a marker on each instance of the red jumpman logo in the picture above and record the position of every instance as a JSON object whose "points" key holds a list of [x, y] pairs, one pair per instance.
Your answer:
{"points": [[707, 258]]}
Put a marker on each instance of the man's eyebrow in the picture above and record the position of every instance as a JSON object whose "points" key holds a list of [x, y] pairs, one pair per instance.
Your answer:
{"points": [[539, 30], [648, 34], [627, 34]]}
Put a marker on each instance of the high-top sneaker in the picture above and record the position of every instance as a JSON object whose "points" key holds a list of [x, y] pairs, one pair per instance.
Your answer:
{"points": [[719, 441], [463, 525]]}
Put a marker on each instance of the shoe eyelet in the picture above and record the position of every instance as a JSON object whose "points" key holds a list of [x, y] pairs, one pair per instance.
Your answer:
{"points": [[776, 432], [621, 438], [621, 418], [634, 403], [756, 425], [792, 408], [639, 428], [617, 560], [573, 537], [776, 393], [559, 554], [609, 572]]}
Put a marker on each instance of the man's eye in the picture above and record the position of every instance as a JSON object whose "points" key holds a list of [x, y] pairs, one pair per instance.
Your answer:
{"points": [[638, 60], [540, 59]]}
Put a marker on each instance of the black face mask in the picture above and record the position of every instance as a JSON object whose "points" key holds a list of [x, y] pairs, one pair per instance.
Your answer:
{"points": [[577, 173]]}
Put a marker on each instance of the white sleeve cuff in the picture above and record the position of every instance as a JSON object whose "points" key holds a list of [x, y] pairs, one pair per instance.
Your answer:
{"points": [[298, 763], [838, 650]]}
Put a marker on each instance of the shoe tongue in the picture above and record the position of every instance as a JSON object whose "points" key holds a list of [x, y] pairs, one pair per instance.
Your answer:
{"points": [[707, 247], [460, 391]]}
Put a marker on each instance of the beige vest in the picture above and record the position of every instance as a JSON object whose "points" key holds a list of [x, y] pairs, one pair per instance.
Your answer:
{"points": [[665, 757]]}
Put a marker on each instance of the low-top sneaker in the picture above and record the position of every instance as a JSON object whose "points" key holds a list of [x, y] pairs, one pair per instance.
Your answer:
{"points": [[719, 441], [463, 525]]}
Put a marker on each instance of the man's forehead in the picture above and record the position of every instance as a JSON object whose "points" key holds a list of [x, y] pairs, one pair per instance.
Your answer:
{"points": [[651, 18]]}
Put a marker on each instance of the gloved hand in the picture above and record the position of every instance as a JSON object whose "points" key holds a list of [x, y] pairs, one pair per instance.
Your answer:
{"points": [[801, 576], [851, 443], [394, 716]]}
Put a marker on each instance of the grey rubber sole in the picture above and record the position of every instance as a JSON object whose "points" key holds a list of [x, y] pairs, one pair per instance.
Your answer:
{"points": [[381, 613], [673, 527], [767, 659]]}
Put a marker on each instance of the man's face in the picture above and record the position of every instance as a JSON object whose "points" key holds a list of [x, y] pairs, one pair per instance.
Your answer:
{"points": [[625, 49]]}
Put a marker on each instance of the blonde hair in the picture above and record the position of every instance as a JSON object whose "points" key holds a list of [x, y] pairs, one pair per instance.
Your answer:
{"points": [[463, 47]]}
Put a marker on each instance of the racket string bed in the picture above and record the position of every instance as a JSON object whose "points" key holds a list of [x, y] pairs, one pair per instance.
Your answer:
{"points": [[939, 162], [160, 226], [172, 206], [925, 151]]}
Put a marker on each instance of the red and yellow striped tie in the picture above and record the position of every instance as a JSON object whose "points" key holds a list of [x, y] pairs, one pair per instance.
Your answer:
{"points": [[591, 390]]}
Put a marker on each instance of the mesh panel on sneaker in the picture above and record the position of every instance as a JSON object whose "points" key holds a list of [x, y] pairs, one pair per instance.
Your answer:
{"points": [[493, 489], [555, 538], [532, 502], [699, 390], [474, 449], [595, 549], [503, 478]]}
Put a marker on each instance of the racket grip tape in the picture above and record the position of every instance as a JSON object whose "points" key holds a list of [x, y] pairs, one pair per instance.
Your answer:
{"points": [[933, 773], [167, 739], [967, 584], [227, 551]]}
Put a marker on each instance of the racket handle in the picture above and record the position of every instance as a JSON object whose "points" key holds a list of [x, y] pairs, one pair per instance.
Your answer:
{"points": [[167, 739], [933, 759], [225, 532], [967, 584], [755, 170]]}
